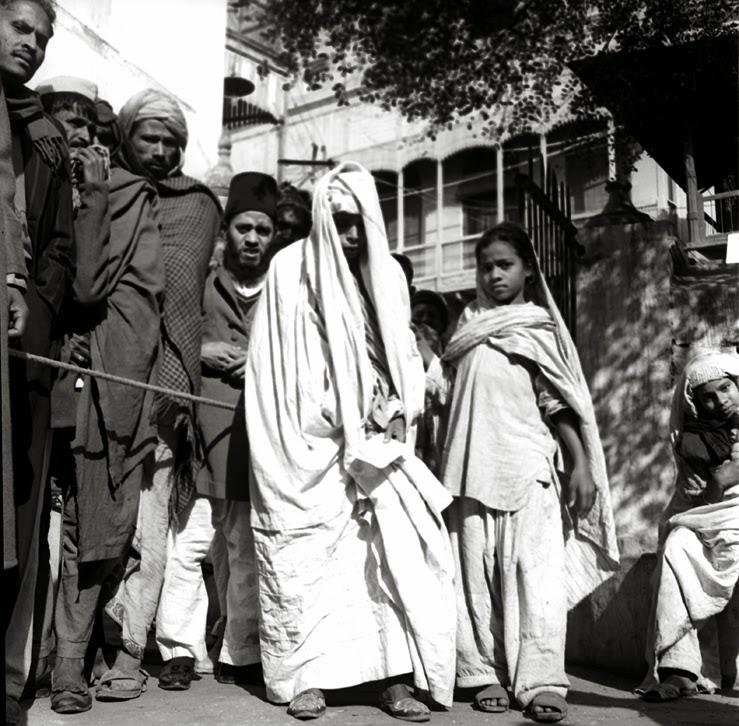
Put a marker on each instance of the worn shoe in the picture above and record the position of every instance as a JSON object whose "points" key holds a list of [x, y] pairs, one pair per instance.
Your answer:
{"points": [[240, 675], [177, 674], [398, 701], [307, 705], [69, 691]]}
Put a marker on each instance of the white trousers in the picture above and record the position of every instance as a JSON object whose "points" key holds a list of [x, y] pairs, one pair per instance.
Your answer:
{"points": [[183, 607], [236, 579], [511, 595]]}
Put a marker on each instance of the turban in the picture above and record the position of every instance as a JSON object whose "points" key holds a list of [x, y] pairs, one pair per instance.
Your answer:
{"points": [[150, 104]]}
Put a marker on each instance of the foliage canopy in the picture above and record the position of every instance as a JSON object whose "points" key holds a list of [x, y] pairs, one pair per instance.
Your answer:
{"points": [[449, 60]]}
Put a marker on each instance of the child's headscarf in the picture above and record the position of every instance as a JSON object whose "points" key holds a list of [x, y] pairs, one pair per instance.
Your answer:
{"points": [[702, 368]]}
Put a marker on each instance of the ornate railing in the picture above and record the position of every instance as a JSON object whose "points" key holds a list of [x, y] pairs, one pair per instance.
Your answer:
{"points": [[545, 213]]}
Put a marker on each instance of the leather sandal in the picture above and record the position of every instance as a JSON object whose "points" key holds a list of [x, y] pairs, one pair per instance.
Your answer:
{"points": [[177, 674], [398, 701], [547, 699], [496, 693], [307, 705]]}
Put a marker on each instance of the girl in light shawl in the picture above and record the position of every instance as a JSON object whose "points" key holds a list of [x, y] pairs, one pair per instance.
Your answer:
{"points": [[698, 563], [531, 522]]}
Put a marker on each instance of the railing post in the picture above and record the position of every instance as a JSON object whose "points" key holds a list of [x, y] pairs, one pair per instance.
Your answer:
{"points": [[401, 210], [439, 220], [500, 182], [694, 199]]}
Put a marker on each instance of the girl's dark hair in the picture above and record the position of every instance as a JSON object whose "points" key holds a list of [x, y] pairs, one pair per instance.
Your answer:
{"points": [[46, 5], [514, 234]]}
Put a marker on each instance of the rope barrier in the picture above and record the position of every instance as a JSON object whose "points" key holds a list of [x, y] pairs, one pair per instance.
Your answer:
{"points": [[117, 379]]}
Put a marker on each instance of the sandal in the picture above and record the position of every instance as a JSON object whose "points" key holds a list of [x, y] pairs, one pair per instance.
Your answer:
{"points": [[496, 693], [307, 705], [663, 692], [106, 692], [177, 674], [398, 701], [547, 699]]}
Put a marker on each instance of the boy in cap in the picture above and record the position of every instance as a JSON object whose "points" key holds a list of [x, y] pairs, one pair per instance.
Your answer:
{"points": [[222, 507]]}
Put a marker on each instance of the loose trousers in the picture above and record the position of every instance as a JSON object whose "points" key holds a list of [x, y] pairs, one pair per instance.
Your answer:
{"points": [[511, 595], [134, 605], [181, 618]]}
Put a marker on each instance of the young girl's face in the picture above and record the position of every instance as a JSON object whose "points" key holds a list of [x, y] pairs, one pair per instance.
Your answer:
{"points": [[503, 273], [718, 399]]}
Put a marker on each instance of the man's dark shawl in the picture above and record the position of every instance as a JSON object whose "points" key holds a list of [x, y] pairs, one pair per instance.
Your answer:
{"points": [[190, 216], [114, 427]]}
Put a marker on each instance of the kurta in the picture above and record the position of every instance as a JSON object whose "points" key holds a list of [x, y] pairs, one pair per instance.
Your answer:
{"points": [[227, 317], [498, 471]]}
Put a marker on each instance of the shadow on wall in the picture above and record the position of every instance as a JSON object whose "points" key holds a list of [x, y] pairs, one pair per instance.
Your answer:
{"points": [[624, 337], [638, 323]]}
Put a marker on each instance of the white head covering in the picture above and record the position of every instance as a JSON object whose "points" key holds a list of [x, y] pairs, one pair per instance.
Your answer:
{"points": [[68, 84], [151, 104], [351, 188]]}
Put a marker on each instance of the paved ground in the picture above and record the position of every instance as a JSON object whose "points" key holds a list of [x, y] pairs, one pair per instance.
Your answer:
{"points": [[596, 699]]}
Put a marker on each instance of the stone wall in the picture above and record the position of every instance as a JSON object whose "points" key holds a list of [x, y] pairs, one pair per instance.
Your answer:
{"points": [[639, 319]]}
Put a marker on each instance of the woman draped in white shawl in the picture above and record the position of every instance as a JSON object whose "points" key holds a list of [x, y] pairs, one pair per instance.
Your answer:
{"points": [[522, 557], [698, 560], [355, 565]]}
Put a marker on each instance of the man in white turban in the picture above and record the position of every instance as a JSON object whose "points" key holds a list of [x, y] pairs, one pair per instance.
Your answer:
{"points": [[154, 142], [355, 573]]}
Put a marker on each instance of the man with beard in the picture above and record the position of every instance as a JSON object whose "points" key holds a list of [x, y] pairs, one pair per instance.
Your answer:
{"points": [[155, 136], [43, 201], [222, 509]]}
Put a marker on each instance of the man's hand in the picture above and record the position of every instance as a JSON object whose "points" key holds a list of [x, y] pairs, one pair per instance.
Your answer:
{"points": [[396, 430], [722, 477], [93, 166], [222, 357], [428, 343], [79, 346], [17, 312], [581, 491], [238, 375]]}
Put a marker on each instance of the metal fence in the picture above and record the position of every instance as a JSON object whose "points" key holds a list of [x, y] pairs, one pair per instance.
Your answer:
{"points": [[545, 213]]}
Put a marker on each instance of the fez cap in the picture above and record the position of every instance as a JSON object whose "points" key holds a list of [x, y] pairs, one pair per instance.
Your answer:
{"points": [[252, 191], [68, 84]]}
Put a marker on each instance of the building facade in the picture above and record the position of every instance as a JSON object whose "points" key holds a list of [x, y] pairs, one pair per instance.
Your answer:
{"points": [[439, 194]]}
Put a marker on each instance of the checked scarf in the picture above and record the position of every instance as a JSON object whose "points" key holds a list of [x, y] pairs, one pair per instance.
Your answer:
{"points": [[190, 216]]}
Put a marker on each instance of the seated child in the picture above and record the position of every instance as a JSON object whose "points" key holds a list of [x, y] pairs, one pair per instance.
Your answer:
{"points": [[698, 562]]}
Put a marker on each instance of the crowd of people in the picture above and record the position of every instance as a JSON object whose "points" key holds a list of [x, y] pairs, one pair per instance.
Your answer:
{"points": [[385, 495]]}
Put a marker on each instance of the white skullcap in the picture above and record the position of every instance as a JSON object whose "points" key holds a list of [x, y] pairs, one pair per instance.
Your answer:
{"points": [[68, 84]]}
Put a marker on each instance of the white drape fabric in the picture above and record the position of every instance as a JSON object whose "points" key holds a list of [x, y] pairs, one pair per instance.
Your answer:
{"points": [[366, 591]]}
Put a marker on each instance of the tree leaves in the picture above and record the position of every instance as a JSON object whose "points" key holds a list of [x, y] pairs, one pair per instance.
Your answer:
{"points": [[449, 61]]}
